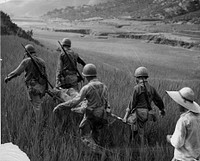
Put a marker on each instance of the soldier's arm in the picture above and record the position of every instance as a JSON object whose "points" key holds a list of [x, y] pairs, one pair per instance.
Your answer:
{"points": [[128, 109], [74, 102], [59, 71], [81, 61], [158, 102], [132, 104], [20, 69]]}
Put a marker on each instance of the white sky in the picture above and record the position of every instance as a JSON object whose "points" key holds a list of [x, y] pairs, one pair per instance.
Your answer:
{"points": [[35, 7], [4, 1]]}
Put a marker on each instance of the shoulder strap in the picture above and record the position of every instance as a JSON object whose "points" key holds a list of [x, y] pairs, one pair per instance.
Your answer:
{"points": [[100, 98], [66, 53], [146, 96]]}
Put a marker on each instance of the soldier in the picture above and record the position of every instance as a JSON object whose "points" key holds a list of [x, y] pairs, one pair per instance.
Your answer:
{"points": [[96, 94], [66, 75], [186, 137], [36, 85], [139, 109]]}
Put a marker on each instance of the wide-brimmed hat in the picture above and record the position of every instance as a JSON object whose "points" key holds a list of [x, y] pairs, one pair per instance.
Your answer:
{"points": [[185, 97]]}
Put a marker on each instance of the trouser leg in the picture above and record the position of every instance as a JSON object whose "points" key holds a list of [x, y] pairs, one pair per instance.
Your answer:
{"points": [[134, 132], [87, 134], [141, 133], [141, 137], [96, 135], [36, 98], [85, 127], [36, 102]]}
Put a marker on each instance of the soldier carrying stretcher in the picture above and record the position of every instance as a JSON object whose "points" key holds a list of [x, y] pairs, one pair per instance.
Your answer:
{"points": [[96, 94], [139, 109]]}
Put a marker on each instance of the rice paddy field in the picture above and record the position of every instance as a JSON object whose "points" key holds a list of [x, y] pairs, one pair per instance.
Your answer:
{"points": [[116, 59]]}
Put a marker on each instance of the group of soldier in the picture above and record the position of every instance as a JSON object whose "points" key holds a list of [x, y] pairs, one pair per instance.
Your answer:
{"points": [[186, 137]]}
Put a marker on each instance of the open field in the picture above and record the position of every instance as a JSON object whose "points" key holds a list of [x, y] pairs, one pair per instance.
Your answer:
{"points": [[179, 32], [128, 54], [116, 59]]}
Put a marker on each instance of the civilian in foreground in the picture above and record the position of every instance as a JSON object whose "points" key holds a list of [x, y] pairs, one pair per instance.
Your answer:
{"points": [[186, 137]]}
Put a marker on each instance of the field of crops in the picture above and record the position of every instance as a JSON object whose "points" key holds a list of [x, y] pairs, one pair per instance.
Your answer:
{"points": [[46, 142]]}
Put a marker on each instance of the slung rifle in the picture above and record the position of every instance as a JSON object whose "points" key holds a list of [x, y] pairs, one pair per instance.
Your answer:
{"points": [[71, 62], [51, 94]]}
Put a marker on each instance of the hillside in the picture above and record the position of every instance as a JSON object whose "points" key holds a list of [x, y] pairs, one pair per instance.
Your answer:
{"points": [[10, 28], [140, 9]]}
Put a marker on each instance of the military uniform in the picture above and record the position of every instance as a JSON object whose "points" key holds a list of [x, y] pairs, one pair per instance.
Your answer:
{"points": [[36, 85], [66, 75], [96, 94], [139, 109]]}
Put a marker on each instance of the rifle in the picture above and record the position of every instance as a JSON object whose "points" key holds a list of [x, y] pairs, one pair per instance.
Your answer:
{"points": [[37, 68], [75, 68], [43, 76], [51, 94], [118, 118]]}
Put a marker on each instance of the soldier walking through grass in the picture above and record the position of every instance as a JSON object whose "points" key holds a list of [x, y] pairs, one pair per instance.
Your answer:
{"points": [[36, 85], [186, 137], [96, 94], [139, 109], [66, 75]]}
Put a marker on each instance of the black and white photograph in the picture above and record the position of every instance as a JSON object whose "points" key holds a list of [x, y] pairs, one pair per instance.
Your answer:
{"points": [[100, 80]]}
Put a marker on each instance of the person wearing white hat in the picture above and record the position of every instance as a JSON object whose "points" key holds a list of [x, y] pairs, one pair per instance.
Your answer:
{"points": [[186, 137], [11, 152]]}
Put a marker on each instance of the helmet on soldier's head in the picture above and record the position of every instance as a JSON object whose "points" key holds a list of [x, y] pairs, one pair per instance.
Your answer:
{"points": [[66, 42], [141, 72], [89, 70], [30, 48]]}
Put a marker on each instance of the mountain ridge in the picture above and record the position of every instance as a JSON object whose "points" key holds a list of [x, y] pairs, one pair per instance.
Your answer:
{"points": [[133, 8]]}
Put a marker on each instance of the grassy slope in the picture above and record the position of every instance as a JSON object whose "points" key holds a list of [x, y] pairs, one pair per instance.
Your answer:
{"points": [[44, 142]]}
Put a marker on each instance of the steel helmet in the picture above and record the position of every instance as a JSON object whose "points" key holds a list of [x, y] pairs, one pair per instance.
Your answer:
{"points": [[141, 72], [30, 48], [89, 70], [66, 42]]}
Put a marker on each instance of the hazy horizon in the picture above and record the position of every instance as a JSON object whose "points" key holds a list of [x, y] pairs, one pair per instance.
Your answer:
{"points": [[35, 8]]}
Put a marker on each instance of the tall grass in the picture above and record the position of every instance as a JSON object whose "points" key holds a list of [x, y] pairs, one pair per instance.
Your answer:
{"points": [[48, 141]]}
